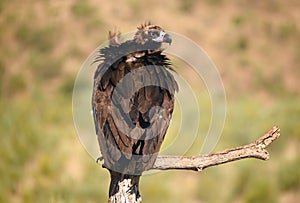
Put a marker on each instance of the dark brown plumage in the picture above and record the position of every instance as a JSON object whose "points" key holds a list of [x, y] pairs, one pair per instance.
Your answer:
{"points": [[133, 101]]}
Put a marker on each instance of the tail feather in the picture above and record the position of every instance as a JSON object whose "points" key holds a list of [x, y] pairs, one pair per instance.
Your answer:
{"points": [[124, 188]]}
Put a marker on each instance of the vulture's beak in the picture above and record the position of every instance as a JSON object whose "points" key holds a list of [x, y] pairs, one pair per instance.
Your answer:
{"points": [[167, 39]]}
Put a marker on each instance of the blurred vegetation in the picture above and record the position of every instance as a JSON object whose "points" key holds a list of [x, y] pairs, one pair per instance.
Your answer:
{"points": [[255, 45]]}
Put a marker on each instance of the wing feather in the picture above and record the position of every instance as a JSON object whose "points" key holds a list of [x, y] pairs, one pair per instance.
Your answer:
{"points": [[130, 124]]}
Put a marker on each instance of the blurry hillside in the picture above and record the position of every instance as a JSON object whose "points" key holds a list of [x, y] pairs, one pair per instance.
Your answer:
{"points": [[254, 44]]}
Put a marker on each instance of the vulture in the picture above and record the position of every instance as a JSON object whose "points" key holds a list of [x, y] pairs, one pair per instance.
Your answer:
{"points": [[132, 103]]}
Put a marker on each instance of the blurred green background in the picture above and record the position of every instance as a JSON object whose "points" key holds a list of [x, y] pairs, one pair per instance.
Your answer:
{"points": [[255, 45]]}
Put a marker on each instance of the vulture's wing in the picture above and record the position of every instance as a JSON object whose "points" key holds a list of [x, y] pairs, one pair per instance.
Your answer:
{"points": [[133, 100]]}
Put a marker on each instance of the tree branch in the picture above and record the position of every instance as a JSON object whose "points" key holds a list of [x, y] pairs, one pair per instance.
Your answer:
{"points": [[256, 149]]}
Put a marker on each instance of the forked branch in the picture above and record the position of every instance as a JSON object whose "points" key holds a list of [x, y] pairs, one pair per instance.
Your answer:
{"points": [[256, 149]]}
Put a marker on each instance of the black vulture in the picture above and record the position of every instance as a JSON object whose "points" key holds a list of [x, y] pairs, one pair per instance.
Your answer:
{"points": [[133, 102]]}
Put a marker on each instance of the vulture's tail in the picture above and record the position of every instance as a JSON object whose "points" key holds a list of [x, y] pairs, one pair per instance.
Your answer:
{"points": [[124, 188]]}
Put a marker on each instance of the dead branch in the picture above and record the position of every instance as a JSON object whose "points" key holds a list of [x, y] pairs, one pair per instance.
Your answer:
{"points": [[256, 149]]}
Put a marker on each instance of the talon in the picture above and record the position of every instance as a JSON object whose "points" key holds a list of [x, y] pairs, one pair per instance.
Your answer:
{"points": [[99, 159]]}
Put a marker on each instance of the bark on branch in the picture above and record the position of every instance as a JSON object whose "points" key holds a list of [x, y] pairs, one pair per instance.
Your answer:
{"points": [[256, 149]]}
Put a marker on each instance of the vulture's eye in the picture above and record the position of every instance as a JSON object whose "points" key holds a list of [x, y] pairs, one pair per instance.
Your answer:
{"points": [[153, 34]]}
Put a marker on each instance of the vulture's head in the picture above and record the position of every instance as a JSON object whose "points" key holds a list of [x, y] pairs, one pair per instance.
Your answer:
{"points": [[152, 35]]}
